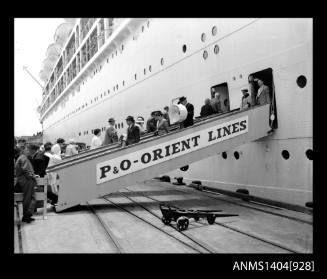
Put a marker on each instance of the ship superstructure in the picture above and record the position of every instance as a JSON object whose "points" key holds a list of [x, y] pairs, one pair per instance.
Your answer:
{"points": [[104, 67]]}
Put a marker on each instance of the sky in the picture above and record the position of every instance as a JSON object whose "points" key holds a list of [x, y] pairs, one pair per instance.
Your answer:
{"points": [[32, 38]]}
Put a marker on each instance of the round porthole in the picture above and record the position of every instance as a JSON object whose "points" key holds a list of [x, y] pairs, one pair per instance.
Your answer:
{"points": [[216, 49], [150, 68], [185, 168], [214, 31], [203, 37], [205, 54], [184, 48], [162, 61], [301, 81], [309, 154], [224, 155], [236, 155], [285, 154]]}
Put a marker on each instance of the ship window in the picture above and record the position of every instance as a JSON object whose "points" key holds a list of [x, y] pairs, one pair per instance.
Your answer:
{"points": [[184, 48], [115, 126], [309, 154], [241, 76], [285, 154], [162, 61], [224, 154], [144, 71], [107, 60], [117, 86], [114, 88], [118, 125], [185, 168], [122, 47], [301, 81], [135, 76], [214, 30], [108, 91], [122, 125], [236, 155], [142, 28], [203, 37], [123, 83], [79, 133], [205, 54], [101, 95], [216, 49], [150, 68]]}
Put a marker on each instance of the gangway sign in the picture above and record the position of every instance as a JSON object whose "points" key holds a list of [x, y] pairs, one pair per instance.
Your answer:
{"points": [[99, 173]]}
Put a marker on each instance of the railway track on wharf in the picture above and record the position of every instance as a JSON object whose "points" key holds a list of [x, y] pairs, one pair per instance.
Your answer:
{"points": [[195, 245], [216, 222], [107, 230]]}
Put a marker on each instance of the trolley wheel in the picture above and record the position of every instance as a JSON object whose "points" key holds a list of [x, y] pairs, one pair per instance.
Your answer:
{"points": [[182, 223], [211, 220], [165, 220]]}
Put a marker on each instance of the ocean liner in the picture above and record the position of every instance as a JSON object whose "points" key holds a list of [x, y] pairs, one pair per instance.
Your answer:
{"points": [[114, 67]]}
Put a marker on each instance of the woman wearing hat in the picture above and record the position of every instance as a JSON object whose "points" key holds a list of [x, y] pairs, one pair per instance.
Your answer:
{"points": [[111, 133]]}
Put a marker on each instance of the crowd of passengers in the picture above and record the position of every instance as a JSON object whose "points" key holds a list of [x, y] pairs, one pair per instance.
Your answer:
{"points": [[32, 161]]}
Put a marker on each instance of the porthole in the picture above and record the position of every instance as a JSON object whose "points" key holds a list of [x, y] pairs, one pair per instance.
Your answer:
{"points": [[150, 68], [108, 91], [224, 155], [107, 60], [135, 76], [123, 83], [203, 37], [101, 95], [205, 54], [285, 154], [216, 49], [309, 154], [117, 86], [185, 168], [184, 48], [122, 47], [118, 125], [114, 88], [144, 71], [214, 31], [115, 126], [241, 76], [162, 61], [236, 155], [301, 81], [142, 28], [234, 78], [122, 125]]}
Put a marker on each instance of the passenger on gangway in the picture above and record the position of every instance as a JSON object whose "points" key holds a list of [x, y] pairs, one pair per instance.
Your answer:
{"points": [[111, 133], [263, 93], [96, 140], [216, 103], [140, 123], [246, 99], [27, 182], [133, 132], [58, 147], [166, 114], [253, 91], [21, 143], [162, 123], [190, 112], [206, 109], [151, 124], [71, 148]]}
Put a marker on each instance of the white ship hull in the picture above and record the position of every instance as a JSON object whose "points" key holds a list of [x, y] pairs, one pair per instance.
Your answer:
{"points": [[245, 46]]}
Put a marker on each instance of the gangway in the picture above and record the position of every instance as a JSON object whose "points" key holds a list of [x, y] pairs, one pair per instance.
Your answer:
{"points": [[98, 172]]}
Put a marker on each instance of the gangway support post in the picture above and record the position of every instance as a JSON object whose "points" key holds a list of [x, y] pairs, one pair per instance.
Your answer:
{"points": [[93, 176]]}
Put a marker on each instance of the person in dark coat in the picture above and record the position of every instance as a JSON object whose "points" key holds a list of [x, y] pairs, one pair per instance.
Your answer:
{"points": [[133, 132], [190, 113], [206, 109], [263, 96], [253, 92], [151, 124], [27, 182], [166, 114]]}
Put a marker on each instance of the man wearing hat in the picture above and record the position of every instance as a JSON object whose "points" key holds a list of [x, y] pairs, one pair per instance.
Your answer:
{"points": [[133, 132], [162, 123], [151, 124], [190, 112], [111, 133], [246, 99], [71, 148]]}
